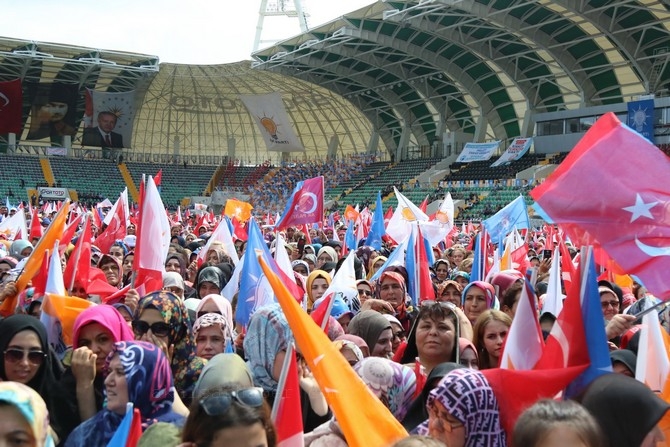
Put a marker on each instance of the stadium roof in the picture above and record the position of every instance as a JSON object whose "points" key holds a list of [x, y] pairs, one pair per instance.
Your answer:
{"points": [[419, 68]]}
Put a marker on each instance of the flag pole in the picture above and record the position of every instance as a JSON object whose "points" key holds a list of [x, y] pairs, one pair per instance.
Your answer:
{"points": [[77, 256], [281, 384]]}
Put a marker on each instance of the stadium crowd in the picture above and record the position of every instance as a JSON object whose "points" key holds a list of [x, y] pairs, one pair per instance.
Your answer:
{"points": [[196, 376]]}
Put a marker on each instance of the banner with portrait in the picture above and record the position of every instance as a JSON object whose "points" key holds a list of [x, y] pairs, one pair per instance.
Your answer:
{"points": [[515, 151], [53, 111], [108, 119], [477, 151], [274, 123]]}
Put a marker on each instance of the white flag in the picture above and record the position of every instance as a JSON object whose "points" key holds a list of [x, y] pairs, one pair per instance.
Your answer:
{"points": [[274, 123]]}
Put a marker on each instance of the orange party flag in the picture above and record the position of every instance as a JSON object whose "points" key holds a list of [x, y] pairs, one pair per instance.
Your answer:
{"points": [[363, 418], [238, 209], [65, 309], [34, 262]]}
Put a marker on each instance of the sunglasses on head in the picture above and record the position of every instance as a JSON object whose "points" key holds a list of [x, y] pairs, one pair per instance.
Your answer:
{"points": [[15, 355], [159, 329], [218, 404]]}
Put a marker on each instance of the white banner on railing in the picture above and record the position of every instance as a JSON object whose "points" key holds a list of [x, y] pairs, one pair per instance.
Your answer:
{"points": [[515, 151], [274, 123], [477, 151], [53, 193]]}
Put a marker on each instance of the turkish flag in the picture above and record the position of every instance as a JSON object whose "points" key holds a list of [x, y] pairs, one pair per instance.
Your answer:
{"points": [[629, 215], [305, 205], [11, 103]]}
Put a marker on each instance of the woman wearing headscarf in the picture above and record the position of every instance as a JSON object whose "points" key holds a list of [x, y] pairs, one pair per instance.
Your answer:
{"points": [[317, 283], [417, 412], [140, 373], [627, 411], [27, 359], [223, 369], [463, 411], [391, 288], [477, 297], [376, 330], [393, 385], [358, 341], [210, 280], [24, 416], [20, 248], [162, 319], [326, 255], [215, 303], [265, 343], [95, 331], [375, 264]]}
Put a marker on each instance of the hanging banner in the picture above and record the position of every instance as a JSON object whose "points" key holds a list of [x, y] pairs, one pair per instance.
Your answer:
{"points": [[515, 151], [11, 103], [641, 117], [477, 151], [274, 123], [108, 120], [53, 111]]}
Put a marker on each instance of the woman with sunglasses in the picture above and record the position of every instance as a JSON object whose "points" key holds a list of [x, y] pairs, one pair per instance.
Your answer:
{"points": [[230, 416], [463, 411], [140, 373], [27, 360], [162, 319]]}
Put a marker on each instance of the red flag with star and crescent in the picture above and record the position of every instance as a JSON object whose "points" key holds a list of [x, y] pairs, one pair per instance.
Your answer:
{"points": [[628, 215], [305, 205]]}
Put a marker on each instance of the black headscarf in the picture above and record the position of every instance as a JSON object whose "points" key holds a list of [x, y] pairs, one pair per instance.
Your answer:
{"points": [[626, 410]]}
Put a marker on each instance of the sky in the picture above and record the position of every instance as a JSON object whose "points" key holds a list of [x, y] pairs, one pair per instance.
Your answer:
{"points": [[178, 31]]}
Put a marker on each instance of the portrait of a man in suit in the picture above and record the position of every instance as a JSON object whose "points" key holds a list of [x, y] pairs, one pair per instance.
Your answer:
{"points": [[103, 135]]}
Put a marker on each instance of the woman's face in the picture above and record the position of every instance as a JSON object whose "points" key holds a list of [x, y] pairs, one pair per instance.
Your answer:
{"points": [[116, 387], [399, 336], [468, 358], [475, 303], [241, 436], [391, 291], [99, 340], [435, 339], [14, 428], [364, 292], [494, 336], [450, 294], [457, 256], [384, 345], [444, 427], [376, 266], [23, 370], [172, 265], [322, 259], [208, 288], [441, 271], [210, 341], [213, 257], [128, 264], [152, 316], [319, 287], [209, 307]]}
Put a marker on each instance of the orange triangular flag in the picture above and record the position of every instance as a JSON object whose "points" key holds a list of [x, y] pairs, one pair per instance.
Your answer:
{"points": [[363, 418]]}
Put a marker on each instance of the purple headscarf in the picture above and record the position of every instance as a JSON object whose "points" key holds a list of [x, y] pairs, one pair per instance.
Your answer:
{"points": [[394, 384], [488, 289]]}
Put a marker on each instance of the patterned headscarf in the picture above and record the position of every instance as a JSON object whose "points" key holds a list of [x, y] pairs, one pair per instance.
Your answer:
{"points": [[268, 333], [224, 307], [32, 408], [186, 366], [150, 389], [392, 383], [468, 397], [487, 288], [148, 376], [207, 320]]}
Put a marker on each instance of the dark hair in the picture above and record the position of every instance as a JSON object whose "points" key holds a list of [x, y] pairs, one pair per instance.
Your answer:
{"points": [[536, 422], [201, 428], [510, 295], [435, 312]]}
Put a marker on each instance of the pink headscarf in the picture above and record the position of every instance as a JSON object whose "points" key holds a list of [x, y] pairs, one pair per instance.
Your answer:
{"points": [[224, 307], [108, 317]]}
